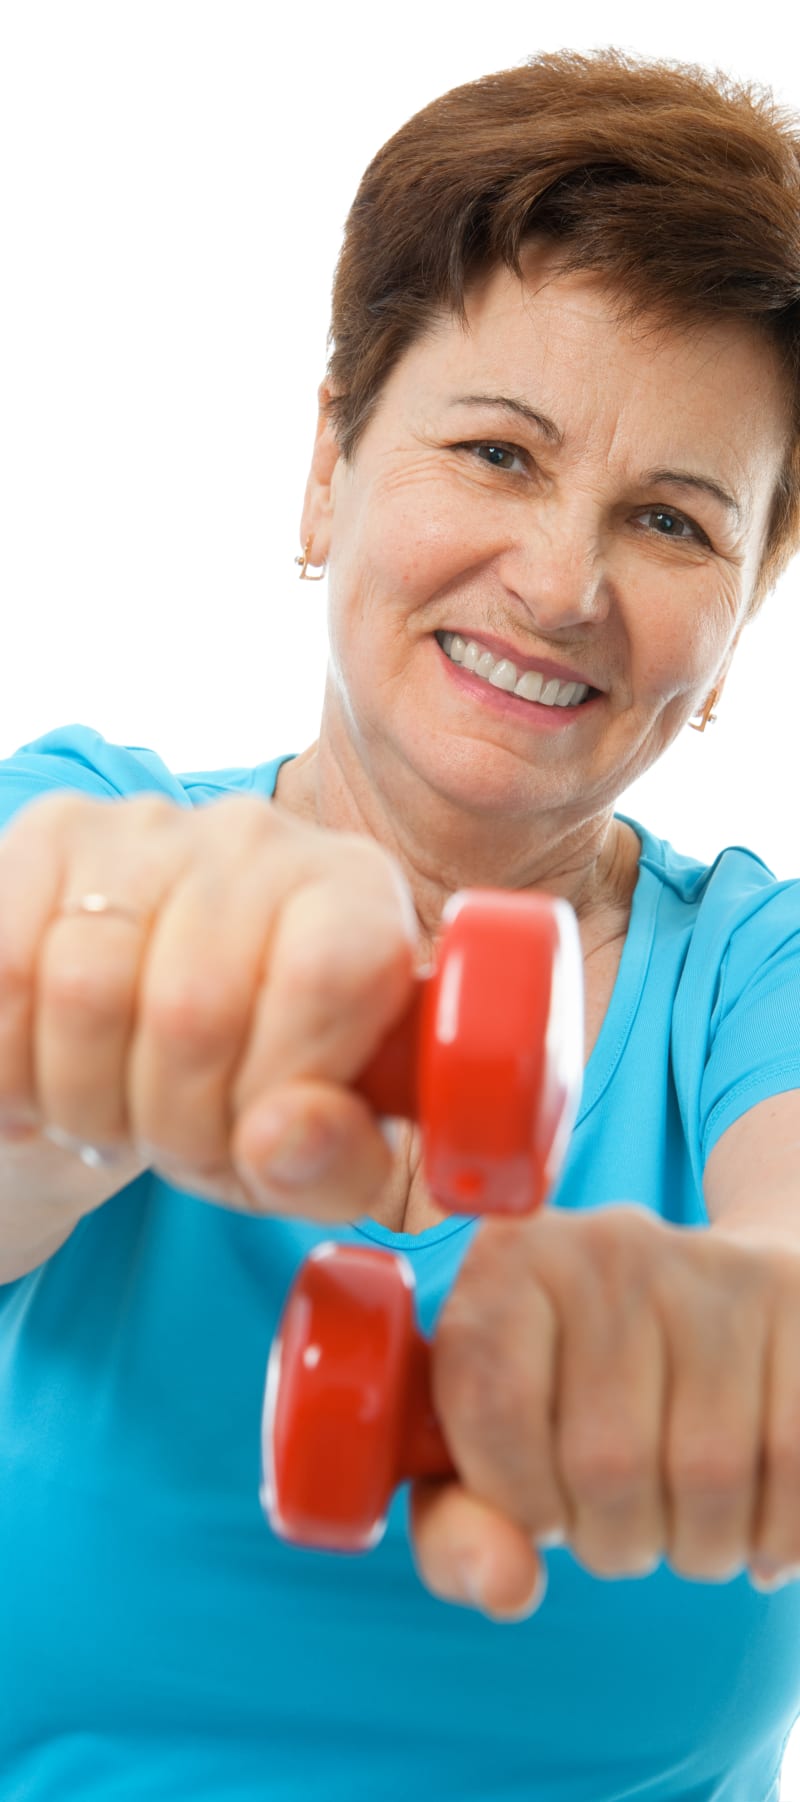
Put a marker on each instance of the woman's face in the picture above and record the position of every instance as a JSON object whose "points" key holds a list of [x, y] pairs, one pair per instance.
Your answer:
{"points": [[462, 515]]}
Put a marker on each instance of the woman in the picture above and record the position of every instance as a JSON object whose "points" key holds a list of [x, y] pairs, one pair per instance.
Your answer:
{"points": [[558, 454]]}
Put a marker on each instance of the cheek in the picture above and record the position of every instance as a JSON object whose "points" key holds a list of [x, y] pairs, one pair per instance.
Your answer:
{"points": [[677, 632], [419, 534]]}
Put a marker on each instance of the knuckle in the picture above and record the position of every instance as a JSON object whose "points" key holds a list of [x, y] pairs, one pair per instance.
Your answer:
{"points": [[193, 1014], [150, 811], [376, 869], [253, 815], [505, 1405], [16, 975], [604, 1468], [467, 1409], [44, 817], [485, 1398], [617, 1249], [782, 1455], [357, 847], [153, 808], [313, 977], [72, 987], [711, 1469], [56, 805], [464, 1385]]}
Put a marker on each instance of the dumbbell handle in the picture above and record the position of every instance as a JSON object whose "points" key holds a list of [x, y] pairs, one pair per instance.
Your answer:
{"points": [[389, 1082], [422, 1451]]}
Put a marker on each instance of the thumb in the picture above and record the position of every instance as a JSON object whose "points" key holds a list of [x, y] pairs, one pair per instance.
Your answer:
{"points": [[467, 1552]]}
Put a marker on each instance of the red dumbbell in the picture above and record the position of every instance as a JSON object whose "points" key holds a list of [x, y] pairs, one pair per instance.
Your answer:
{"points": [[489, 1059]]}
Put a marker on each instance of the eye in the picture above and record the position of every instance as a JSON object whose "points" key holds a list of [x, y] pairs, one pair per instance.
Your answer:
{"points": [[675, 519], [496, 450]]}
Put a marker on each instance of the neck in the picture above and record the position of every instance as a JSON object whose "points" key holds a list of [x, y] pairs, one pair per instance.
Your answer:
{"points": [[592, 863]]}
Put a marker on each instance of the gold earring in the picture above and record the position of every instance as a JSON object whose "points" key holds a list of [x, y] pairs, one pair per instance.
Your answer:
{"points": [[304, 562], [707, 716]]}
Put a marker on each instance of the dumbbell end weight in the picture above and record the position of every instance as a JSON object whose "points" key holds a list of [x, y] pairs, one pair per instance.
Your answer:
{"points": [[347, 1407]]}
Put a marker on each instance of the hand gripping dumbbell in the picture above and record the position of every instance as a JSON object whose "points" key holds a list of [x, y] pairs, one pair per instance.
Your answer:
{"points": [[488, 1059]]}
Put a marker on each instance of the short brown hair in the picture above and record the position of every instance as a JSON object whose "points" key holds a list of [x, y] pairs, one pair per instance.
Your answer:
{"points": [[680, 185]]}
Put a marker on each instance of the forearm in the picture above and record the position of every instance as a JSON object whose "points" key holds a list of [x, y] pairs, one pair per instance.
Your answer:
{"points": [[44, 1192]]}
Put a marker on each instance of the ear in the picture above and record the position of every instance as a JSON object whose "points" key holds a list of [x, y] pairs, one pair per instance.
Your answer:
{"points": [[318, 504]]}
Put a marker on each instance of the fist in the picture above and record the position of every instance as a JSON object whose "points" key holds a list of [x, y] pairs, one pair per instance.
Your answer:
{"points": [[271, 958], [620, 1386]]}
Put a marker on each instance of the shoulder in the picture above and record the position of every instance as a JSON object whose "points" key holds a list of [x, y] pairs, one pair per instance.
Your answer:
{"points": [[79, 758], [735, 886]]}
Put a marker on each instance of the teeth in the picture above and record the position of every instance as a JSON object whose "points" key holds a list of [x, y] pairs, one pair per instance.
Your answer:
{"points": [[503, 674]]}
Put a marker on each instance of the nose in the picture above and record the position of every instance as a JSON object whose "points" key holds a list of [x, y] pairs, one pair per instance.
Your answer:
{"points": [[559, 570]]}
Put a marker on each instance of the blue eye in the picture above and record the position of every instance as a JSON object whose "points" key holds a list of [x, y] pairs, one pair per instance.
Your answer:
{"points": [[676, 519], [503, 450]]}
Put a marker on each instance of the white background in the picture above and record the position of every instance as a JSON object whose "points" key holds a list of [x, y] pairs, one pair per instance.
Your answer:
{"points": [[175, 182]]}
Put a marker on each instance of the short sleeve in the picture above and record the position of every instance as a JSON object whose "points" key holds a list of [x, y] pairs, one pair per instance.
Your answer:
{"points": [[754, 1044], [80, 759]]}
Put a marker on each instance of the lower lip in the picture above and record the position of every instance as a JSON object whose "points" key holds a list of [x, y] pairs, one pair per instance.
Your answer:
{"points": [[511, 706]]}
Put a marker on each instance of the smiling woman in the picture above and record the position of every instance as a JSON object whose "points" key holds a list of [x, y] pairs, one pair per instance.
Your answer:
{"points": [[556, 472], [563, 554], [677, 188]]}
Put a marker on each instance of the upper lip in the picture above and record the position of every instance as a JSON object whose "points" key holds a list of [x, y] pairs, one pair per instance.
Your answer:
{"points": [[524, 660]]}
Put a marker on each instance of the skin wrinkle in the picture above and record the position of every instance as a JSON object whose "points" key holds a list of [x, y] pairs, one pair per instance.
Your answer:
{"points": [[515, 407], [562, 554]]}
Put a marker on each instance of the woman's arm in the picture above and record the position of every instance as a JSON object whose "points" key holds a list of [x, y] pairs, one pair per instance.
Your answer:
{"points": [[44, 1192], [751, 1181]]}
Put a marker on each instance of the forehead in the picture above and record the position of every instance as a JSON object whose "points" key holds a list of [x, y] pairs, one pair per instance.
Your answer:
{"points": [[558, 341]]}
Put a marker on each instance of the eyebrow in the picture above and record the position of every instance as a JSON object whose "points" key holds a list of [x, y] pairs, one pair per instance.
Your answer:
{"points": [[508, 405], [681, 478]]}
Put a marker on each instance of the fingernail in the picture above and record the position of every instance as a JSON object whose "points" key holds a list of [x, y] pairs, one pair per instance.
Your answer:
{"points": [[392, 1131], [473, 1579], [19, 1123], [300, 1149], [765, 1575], [407, 908], [96, 1157]]}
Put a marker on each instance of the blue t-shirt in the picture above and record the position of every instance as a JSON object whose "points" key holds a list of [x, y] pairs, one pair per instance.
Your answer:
{"points": [[158, 1640]]}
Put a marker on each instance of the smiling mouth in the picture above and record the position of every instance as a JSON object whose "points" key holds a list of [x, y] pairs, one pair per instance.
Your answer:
{"points": [[527, 686]]}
